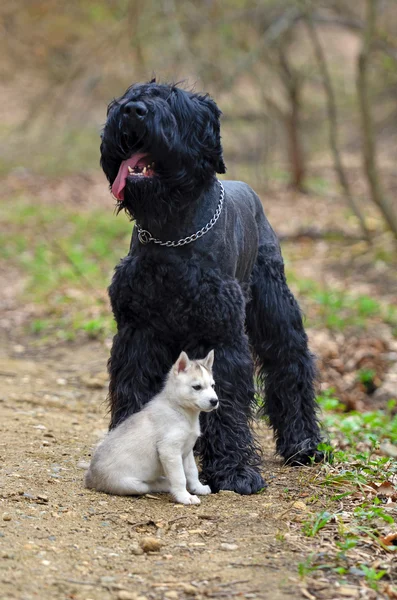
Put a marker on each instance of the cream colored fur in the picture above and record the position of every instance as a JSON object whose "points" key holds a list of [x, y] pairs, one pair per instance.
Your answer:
{"points": [[152, 450]]}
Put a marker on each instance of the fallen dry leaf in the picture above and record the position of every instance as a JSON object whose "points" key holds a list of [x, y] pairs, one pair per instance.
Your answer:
{"points": [[390, 591], [389, 540]]}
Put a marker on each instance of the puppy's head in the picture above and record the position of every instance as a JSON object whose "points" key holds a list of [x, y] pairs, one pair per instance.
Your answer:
{"points": [[160, 140], [193, 385]]}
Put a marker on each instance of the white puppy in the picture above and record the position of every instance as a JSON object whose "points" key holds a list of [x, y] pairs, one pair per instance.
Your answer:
{"points": [[152, 450]]}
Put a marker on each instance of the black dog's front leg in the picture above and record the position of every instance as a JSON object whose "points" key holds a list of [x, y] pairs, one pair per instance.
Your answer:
{"points": [[137, 367], [286, 365], [230, 457]]}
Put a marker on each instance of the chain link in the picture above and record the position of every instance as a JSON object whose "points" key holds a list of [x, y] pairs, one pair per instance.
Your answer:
{"points": [[145, 236]]}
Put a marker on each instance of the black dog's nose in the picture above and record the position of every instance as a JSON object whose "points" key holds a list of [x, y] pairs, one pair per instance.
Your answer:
{"points": [[213, 402], [135, 109]]}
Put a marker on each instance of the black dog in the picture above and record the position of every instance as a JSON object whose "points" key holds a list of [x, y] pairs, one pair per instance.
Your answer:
{"points": [[204, 271]]}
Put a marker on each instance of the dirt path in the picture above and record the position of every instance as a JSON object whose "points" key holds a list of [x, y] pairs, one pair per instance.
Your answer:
{"points": [[60, 541]]}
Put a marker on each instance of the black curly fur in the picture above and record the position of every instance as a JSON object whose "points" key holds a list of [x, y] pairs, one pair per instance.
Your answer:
{"points": [[208, 294]]}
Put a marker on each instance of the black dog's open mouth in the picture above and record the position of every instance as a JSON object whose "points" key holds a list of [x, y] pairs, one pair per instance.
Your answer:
{"points": [[138, 166]]}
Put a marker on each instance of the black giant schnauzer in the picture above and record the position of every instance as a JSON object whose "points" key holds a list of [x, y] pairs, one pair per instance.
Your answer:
{"points": [[204, 271]]}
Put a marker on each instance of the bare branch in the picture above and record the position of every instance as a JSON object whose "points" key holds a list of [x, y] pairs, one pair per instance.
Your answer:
{"points": [[333, 123], [369, 142]]}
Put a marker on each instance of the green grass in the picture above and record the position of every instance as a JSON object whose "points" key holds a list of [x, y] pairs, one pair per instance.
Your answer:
{"points": [[338, 309], [353, 515], [72, 150], [67, 259]]}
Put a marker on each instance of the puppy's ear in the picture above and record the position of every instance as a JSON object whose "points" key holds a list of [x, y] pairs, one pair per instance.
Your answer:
{"points": [[182, 364], [209, 360]]}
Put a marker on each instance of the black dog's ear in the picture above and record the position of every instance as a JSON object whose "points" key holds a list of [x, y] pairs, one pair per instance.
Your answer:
{"points": [[212, 133]]}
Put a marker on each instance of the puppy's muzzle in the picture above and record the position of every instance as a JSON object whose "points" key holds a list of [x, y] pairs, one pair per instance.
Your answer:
{"points": [[214, 403]]}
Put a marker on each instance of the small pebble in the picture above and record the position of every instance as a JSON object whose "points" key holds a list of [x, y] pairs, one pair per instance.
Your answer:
{"points": [[150, 544], [135, 549], [228, 547], [171, 595], [126, 595], [189, 589], [7, 517]]}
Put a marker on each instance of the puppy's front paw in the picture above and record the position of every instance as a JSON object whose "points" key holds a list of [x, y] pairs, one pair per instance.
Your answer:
{"points": [[186, 498], [201, 490]]}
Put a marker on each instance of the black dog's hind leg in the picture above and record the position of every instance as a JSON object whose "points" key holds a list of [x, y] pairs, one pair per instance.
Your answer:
{"points": [[230, 457], [286, 366]]}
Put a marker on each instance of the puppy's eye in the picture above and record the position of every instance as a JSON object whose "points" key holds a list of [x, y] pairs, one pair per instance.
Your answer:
{"points": [[196, 387]]}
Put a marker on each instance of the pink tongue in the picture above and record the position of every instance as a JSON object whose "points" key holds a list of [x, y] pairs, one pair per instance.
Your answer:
{"points": [[119, 183]]}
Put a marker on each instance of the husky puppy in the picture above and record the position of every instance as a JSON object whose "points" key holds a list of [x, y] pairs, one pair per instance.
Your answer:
{"points": [[152, 450]]}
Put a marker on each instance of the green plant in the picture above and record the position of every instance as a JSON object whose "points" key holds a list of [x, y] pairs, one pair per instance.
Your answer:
{"points": [[311, 527], [372, 576]]}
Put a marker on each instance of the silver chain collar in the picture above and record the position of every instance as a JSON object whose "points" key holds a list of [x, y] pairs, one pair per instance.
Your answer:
{"points": [[145, 236]]}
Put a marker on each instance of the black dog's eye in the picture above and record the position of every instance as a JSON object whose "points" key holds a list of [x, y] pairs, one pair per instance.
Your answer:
{"points": [[196, 387]]}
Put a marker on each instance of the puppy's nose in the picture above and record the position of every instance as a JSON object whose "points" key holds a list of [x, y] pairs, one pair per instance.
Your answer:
{"points": [[214, 402], [136, 110]]}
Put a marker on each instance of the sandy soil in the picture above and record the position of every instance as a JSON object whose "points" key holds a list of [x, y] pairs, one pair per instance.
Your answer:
{"points": [[61, 541]]}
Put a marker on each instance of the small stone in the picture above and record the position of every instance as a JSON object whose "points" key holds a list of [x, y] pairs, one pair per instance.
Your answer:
{"points": [[42, 498], [135, 549], [126, 595], [171, 595], [189, 589], [7, 517], [299, 505], [150, 544], [229, 547], [389, 449], [61, 381], [95, 383]]}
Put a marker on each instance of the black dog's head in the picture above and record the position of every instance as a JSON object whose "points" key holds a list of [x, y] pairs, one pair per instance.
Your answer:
{"points": [[160, 142]]}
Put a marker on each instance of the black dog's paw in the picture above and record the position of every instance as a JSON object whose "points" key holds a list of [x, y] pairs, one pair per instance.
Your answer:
{"points": [[245, 481]]}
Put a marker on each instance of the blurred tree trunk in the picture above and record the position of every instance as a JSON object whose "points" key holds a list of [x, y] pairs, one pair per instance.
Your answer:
{"points": [[333, 124], [369, 142], [293, 86]]}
